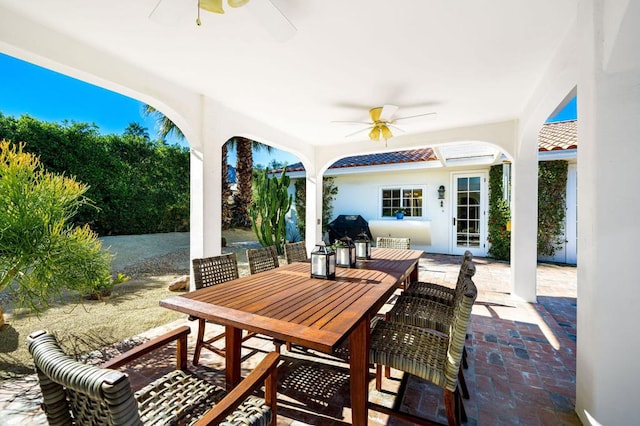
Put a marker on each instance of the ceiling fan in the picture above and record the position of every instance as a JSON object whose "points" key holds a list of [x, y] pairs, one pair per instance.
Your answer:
{"points": [[266, 12], [382, 121]]}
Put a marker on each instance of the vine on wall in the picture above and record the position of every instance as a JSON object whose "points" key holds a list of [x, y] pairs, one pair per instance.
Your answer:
{"points": [[552, 195], [499, 216]]}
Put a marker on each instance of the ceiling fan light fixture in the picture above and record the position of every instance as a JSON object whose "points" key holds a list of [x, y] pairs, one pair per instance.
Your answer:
{"points": [[237, 3], [375, 113], [386, 132], [214, 6], [374, 134]]}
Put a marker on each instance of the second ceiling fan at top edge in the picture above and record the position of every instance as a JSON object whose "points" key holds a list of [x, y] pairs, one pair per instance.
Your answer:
{"points": [[215, 6]]}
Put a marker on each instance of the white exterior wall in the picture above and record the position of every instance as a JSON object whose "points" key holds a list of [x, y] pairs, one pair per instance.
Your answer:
{"points": [[360, 194]]}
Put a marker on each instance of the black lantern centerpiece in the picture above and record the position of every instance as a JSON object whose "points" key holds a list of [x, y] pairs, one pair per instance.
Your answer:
{"points": [[363, 246], [345, 252], [323, 262]]}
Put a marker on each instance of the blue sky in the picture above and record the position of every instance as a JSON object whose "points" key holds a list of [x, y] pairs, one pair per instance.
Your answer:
{"points": [[50, 96]]}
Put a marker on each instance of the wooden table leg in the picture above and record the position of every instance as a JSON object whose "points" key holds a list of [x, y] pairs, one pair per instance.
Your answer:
{"points": [[233, 342], [359, 371], [414, 274]]}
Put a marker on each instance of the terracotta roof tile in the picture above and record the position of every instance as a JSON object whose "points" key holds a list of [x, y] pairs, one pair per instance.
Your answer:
{"points": [[553, 137], [558, 136], [396, 157]]}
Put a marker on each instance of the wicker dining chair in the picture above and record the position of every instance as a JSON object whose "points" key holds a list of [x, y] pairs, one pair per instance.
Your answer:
{"points": [[262, 259], [295, 252], [438, 292], [393, 242], [442, 294], [210, 271], [82, 394], [431, 314], [428, 354]]}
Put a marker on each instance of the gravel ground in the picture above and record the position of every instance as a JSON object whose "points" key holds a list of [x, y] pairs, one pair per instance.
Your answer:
{"points": [[163, 254]]}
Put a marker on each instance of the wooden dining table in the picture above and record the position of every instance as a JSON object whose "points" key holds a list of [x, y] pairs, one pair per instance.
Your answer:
{"points": [[287, 304]]}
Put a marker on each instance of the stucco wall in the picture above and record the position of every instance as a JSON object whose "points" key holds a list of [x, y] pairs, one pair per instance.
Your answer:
{"points": [[360, 194]]}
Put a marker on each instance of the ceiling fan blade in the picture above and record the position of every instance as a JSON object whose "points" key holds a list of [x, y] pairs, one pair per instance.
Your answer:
{"points": [[272, 19], [365, 123], [387, 112], [414, 116], [356, 132], [391, 125]]}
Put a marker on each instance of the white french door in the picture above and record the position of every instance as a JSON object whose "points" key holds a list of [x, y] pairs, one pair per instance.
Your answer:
{"points": [[469, 213]]}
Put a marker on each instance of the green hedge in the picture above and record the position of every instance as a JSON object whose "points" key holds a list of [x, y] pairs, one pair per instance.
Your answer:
{"points": [[137, 185]]}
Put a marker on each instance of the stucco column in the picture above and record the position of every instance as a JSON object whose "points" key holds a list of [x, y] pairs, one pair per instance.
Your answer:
{"points": [[524, 220], [313, 213], [196, 209], [608, 230], [206, 192]]}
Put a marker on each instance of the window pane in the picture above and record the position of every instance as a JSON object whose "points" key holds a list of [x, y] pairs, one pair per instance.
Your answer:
{"points": [[463, 184], [474, 213], [474, 198], [474, 184]]}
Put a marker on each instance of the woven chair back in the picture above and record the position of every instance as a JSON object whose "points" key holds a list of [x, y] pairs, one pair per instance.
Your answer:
{"points": [[77, 393], [213, 270], [262, 259], [393, 242], [467, 273], [295, 252], [458, 331]]}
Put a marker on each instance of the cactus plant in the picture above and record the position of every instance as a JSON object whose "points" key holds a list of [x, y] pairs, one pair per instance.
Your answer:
{"points": [[271, 202]]}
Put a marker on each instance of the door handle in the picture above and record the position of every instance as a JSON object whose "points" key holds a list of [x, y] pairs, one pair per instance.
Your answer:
{"points": [[454, 221]]}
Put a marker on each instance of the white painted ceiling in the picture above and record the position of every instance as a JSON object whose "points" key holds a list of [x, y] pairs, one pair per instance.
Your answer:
{"points": [[471, 62]]}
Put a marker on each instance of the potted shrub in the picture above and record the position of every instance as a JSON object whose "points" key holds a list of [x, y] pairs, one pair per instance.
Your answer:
{"points": [[400, 213]]}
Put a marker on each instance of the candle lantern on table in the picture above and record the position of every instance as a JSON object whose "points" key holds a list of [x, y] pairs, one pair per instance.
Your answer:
{"points": [[323, 262], [345, 252], [363, 246]]}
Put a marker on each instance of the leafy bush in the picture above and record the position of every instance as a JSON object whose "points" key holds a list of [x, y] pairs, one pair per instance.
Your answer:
{"points": [[41, 253]]}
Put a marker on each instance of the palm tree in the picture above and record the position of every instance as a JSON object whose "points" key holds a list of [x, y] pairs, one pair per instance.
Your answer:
{"points": [[165, 126], [244, 175], [239, 215]]}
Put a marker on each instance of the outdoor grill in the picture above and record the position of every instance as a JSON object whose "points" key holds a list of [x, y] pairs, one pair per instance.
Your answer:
{"points": [[349, 226]]}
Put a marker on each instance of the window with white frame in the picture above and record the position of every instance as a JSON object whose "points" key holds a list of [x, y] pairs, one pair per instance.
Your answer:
{"points": [[408, 198]]}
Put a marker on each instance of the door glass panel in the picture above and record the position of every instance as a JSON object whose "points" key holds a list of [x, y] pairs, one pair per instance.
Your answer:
{"points": [[468, 211]]}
